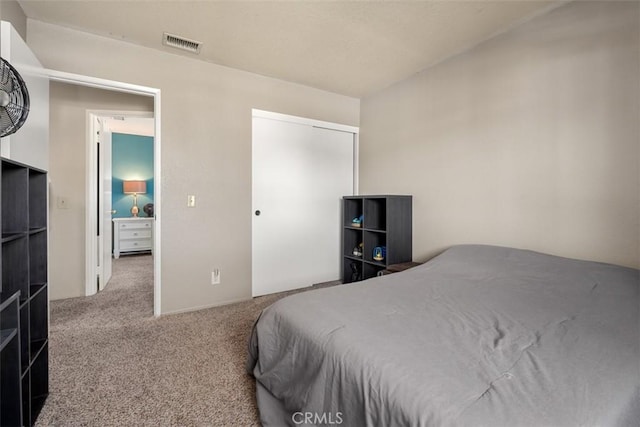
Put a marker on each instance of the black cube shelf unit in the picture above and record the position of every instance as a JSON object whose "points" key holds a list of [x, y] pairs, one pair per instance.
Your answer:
{"points": [[386, 222], [24, 302]]}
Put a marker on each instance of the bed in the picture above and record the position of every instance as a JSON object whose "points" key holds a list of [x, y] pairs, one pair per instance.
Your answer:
{"points": [[479, 335]]}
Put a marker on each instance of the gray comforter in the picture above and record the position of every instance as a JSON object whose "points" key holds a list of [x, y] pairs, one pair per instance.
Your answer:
{"points": [[479, 335]]}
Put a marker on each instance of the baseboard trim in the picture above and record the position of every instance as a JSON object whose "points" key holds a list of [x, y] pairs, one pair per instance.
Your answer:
{"points": [[204, 307], [237, 300]]}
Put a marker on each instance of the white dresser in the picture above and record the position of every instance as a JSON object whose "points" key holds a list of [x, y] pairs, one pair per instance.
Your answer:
{"points": [[132, 235]]}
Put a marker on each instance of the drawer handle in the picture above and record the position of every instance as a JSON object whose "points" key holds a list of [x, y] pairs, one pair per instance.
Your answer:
{"points": [[135, 234], [135, 244]]}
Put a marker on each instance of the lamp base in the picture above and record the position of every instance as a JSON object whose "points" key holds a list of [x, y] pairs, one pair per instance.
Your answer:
{"points": [[134, 211]]}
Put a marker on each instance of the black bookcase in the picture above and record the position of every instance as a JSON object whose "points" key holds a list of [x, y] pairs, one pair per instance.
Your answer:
{"points": [[386, 222], [24, 302]]}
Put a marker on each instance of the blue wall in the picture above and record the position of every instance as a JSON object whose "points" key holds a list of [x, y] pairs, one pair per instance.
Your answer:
{"points": [[132, 159]]}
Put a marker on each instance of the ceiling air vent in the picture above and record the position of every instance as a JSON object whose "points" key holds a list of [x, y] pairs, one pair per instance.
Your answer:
{"points": [[181, 43]]}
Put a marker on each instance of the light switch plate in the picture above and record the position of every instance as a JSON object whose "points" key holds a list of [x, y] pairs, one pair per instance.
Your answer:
{"points": [[191, 201]]}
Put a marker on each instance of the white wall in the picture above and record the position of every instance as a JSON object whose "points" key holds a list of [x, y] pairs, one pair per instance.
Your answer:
{"points": [[11, 11], [530, 140], [206, 151], [30, 143]]}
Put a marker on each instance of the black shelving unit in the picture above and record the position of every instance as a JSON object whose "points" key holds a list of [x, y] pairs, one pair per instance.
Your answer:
{"points": [[24, 301], [386, 222]]}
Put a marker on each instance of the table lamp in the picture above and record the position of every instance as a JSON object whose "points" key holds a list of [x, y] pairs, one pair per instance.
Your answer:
{"points": [[135, 188]]}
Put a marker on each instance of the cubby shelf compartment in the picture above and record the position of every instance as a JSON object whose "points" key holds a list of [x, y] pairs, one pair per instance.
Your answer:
{"points": [[372, 240], [351, 270], [38, 326], [352, 208], [24, 348], [352, 237], [375, 213], [15, 199], [386, 221], [37, 199], [371, 270], [15, 260], [39, 382], [25, 357], [38, 257]]}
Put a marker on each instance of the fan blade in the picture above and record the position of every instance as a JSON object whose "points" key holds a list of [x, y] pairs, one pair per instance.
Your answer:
{"points": [[7, 123], [16, 97], [6, 81]]}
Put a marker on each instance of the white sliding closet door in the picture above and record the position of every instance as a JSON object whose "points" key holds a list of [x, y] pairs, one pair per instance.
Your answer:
{"points": [[300, 173]]}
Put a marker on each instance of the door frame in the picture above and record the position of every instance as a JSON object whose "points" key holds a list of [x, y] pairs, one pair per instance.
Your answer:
{"points": [[91, 214], [92, 251]]}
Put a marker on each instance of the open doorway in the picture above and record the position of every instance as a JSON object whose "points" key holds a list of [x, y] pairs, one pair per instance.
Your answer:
{"points": [[73, 190], [123, 164]]}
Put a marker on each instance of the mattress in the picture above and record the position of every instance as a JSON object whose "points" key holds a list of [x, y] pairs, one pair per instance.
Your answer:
{"points": [[479, 335]]}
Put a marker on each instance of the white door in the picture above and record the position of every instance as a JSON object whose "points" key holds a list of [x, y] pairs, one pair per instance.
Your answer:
{"points": [[300, 173], [104, 210]]}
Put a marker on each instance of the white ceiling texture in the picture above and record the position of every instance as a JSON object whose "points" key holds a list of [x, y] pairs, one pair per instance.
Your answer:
{"points": [[353, 48]]}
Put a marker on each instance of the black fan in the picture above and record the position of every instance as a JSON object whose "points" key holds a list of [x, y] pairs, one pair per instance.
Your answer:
{"points": [[14, 99]]}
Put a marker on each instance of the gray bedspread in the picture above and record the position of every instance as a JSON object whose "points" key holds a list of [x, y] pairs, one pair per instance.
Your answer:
{"points": [[479, 335]]}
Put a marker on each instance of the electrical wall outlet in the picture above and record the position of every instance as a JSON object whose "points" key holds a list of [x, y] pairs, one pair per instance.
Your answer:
{"points": [[215, 276]]}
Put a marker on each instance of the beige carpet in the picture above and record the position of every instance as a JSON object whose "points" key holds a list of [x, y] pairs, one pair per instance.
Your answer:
{"points": [[113, 364]]}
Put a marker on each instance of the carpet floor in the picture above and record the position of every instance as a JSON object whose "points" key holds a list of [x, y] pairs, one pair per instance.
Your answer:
{"points": [[113, 364]]}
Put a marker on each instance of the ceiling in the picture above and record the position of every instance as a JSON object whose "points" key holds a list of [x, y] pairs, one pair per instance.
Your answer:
{"points": [[353, 48]]}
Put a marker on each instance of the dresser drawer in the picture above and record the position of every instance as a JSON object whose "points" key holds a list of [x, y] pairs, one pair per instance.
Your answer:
{"points": [[135, 245], [137, 225], [136, 233]]}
